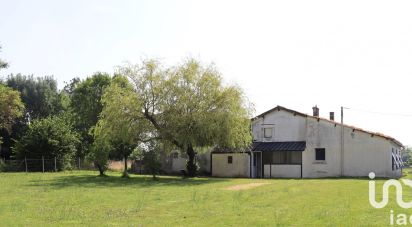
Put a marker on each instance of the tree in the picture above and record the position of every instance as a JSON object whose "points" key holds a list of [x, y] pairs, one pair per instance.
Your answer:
{"points": [[189, 106], [406, 155], [40, 95], [41, 99], [3, 64], [119, 128], [149, 152], [50, 137], [99, 153], [11, 108], [86, 105]]}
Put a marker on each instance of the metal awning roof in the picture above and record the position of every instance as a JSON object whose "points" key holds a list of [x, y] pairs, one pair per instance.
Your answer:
{"points": [[279, 146]]}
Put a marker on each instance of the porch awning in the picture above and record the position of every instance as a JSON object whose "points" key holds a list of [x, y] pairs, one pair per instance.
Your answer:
{"points": [[279, 146]]}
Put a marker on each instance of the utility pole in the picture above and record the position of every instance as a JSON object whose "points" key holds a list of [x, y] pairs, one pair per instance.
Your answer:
{"points": [[342, 141]]}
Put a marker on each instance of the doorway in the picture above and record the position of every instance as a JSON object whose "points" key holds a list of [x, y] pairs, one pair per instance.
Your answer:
{"points": [[257, 164]]}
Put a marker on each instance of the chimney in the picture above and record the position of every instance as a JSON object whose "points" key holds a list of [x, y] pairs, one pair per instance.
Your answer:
{"points": [[332, 116], [315, 111]]}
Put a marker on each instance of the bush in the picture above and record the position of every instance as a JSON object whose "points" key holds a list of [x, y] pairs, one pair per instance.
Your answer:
{"points": [[51, 137], [99, 155], [150, 154]]}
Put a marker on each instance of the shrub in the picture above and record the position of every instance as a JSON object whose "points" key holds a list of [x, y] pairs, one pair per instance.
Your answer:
{"points": [[51, 137], [150, 154]]}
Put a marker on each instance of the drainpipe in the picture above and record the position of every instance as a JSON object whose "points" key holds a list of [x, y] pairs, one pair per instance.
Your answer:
{"points": [[341, 142]]}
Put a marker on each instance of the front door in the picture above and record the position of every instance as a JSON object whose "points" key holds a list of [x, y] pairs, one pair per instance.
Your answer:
{"points": [[257, 164]]}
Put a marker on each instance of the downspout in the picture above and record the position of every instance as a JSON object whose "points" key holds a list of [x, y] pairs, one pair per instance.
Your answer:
{"points": [[301, 156], [342, 150]]}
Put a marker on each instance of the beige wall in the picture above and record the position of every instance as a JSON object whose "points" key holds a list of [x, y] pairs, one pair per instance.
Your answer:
{"points": [[240, 166], [362, 152], [321, 134], [285, 127]]}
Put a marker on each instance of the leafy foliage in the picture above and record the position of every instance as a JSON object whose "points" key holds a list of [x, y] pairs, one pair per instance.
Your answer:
{"points": [[41, 99], [49, 137], [99, 154], [11, 108], [40, 95], [150, 153], [120, 127], [86, 104], [3, 64], [407, 156], [189, 106]]}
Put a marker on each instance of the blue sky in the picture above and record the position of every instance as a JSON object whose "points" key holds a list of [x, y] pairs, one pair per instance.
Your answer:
{"points": [[297, 54]]}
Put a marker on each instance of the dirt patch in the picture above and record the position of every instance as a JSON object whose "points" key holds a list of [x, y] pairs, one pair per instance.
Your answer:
{"points": [[244, 186]]}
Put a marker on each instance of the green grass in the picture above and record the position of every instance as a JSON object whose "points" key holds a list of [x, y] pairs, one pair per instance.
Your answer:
{"points": [[82, 198]]}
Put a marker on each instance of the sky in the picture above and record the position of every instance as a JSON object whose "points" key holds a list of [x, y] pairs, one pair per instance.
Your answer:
{"points": [[297, 54]]}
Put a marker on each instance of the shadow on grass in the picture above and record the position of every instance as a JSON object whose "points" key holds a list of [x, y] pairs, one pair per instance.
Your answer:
{"points": [[117, 181]]}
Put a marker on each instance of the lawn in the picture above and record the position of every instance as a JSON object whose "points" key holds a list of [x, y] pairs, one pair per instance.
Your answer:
{"points": [[81, 198]]}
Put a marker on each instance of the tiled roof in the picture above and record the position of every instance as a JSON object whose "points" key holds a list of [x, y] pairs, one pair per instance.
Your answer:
{"points": [[277, 108], [279, 146]]}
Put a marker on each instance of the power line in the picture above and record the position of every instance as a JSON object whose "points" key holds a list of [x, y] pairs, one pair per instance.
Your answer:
{"points": [[381, 113]]}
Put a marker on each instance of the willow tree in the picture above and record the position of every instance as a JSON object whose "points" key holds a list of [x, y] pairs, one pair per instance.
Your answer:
{"points": [[120, 127], [190, 107]]}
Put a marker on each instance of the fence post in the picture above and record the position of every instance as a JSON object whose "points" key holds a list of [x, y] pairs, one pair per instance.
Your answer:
{"points": [[79, 163], [42, 159], [55, 164], [25, 162]]}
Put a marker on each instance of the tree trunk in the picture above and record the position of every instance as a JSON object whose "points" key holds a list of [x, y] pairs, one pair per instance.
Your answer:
{"points": [[191, 165], [99, 167], [125, 174]]}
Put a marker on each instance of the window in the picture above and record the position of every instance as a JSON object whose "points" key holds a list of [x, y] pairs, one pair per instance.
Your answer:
{"points": [[175, 155], [229, 159], [320, 154], [267, 132], [393, 163]]}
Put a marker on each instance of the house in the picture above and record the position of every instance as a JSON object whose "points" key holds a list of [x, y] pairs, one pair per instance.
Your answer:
{"points": [[290, 144]]}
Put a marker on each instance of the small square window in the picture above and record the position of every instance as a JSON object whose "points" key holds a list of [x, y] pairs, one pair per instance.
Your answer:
{"points": [[175, 155], [229, 159], [267, 132], [320, 154]]}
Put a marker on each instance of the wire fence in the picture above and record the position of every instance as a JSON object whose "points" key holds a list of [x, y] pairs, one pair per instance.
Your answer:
{"points": [[45, 165]]}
